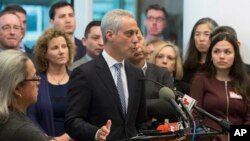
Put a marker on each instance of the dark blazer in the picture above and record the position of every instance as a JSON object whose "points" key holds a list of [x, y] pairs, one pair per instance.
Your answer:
{"points": [[27, 49], [41, 113], [29, 53], [80, 51], [158, 108], [36, 112], [93, 99], [20, 128]]}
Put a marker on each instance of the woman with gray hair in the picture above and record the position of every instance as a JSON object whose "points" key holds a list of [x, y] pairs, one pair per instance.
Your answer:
{"points": [[18, 89]]}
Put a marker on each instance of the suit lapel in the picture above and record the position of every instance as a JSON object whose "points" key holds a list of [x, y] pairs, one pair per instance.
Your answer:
{"points": [[104, 73], [131, 87]]}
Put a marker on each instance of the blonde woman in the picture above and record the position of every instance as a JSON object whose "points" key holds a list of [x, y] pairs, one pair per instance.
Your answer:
{"points": [[167, 55]]}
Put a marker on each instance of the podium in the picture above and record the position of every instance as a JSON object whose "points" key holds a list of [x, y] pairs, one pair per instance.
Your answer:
{"points": [[152, 138], [206, 136], [181, 135]]}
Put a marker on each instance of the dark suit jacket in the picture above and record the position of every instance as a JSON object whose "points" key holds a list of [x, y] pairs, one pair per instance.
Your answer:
{"points": [[93, 99], [29, 52], [41, 113], [20, 128], [158, 108], [80, 51], [27, 49]]}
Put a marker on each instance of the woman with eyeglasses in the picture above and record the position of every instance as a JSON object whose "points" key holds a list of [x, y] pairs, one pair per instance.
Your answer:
{"points": [[18, 90], [53, 52]]}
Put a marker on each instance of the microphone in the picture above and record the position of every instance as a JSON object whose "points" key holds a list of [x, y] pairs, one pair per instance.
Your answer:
{"points": [[190, 102], [168, 95], [179, 99]]}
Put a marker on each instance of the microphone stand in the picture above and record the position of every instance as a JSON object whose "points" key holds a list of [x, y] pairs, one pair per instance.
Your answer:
{"points": [[202, 124], [179, 99], [223, 123]]}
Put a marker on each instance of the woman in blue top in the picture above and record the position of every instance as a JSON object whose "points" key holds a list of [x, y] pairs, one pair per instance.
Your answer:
{"points": [[53, 52]]}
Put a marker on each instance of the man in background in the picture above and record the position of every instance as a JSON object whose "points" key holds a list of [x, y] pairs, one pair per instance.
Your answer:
{"points": [[10, 31], [22, 14], [62, 17], [158, 109], [155, 22], [93, 42]]}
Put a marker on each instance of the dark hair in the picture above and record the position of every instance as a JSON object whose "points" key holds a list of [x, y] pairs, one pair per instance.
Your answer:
{"points": [[15, 8], [157, 7], [56, 6], [240, 79], [193, 56], [89, 26], [220, 29]]}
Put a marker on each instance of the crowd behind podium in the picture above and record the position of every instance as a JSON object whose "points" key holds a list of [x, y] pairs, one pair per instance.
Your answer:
{"points": [[106, 85]]}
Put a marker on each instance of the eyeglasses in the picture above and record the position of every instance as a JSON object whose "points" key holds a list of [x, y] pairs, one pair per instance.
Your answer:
{"points": [[9, 27], [157, 19], [36, 78]]}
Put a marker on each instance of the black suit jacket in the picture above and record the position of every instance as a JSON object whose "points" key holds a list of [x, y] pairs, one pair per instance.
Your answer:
{"points": [[80, 49], [158, 108], [93, 99], [30, 54], [28, 50]]}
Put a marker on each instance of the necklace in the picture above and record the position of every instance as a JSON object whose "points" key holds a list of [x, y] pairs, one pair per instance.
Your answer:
{"points": [[58, 81]]}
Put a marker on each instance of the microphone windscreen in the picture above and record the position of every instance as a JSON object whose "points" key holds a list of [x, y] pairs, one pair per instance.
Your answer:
{"points": [[166, 93]]}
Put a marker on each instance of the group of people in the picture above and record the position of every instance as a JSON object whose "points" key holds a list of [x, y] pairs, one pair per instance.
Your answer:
{"points": [[106, 86]]}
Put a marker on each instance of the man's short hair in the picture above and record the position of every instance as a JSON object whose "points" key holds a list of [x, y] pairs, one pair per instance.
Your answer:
{"points": [[89, 26], [56, 6], [14, 8], [157, 7]]}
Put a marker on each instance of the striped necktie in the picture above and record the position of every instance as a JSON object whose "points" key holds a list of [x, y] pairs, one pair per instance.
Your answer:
{"points": [[119, 86]]}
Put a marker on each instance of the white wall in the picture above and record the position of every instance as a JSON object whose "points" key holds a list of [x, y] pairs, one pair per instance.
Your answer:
{"points": [[234, 13], [83, 15]]}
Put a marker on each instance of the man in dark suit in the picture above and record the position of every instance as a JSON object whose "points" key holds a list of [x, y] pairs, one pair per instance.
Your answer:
{"points": [[158, 109], [97, 108], [62, 16]]}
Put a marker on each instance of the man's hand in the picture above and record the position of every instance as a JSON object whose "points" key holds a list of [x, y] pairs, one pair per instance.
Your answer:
{"points": [[104, 131]]}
